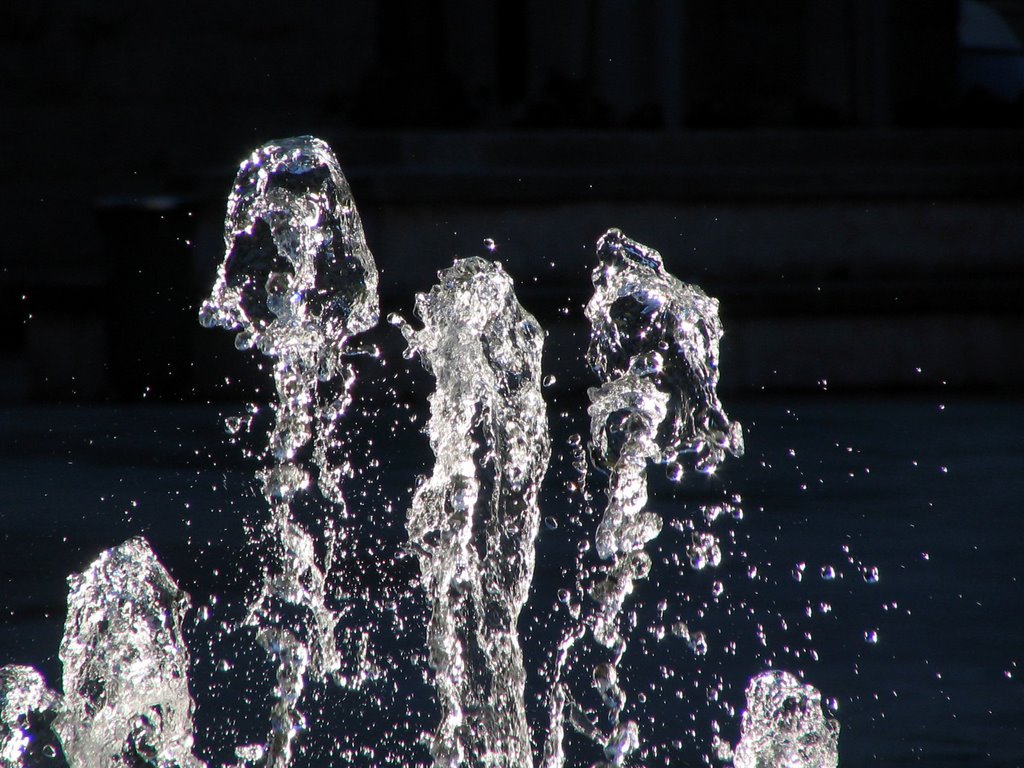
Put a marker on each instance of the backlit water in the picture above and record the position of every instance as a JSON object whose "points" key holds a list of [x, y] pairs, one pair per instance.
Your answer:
{"points": [[945, 669]]}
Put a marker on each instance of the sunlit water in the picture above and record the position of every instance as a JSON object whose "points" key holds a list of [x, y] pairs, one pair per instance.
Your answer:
{"points": [[345, 613], [297, 282], [74, 479]]}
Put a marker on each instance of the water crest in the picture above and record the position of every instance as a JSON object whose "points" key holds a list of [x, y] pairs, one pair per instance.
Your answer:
{"points": [[474, 521]]}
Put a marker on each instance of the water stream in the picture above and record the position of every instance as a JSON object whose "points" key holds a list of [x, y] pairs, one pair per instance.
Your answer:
{"points": [[473, 523], [298, 285], [654, 347]]}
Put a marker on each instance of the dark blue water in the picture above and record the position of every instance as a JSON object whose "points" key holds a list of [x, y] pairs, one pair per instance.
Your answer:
{"points": [[927, 490]]}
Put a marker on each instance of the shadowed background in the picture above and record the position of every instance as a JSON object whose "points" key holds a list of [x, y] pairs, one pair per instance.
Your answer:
{"points": [[846, 177]]}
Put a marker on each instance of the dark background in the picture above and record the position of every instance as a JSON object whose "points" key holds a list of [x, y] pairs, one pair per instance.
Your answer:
{"points": [[846, 176]]}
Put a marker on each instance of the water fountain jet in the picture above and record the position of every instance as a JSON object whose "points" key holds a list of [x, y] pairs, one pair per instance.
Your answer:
{"points": [[297, 283]]}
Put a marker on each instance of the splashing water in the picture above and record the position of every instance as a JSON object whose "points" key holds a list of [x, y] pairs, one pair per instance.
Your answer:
{"points": [[27, 709], [297, 282], [784, 726], [474, 522], [125, 664], [126, 699], [654, 345]]}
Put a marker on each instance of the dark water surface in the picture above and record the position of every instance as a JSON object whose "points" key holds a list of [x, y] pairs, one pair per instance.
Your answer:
{"points": [[927, 490]]}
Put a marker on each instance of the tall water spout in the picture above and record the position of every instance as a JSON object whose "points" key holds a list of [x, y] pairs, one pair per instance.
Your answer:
{"points": [[474, 521], [654, 346], [297, 282]]}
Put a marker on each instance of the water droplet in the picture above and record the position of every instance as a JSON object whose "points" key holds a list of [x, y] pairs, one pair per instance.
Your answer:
{"points": [[722, 749], [699, 643], [871, 636], [704, 551], [828, 573], [640, 565], [245, 340]]}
